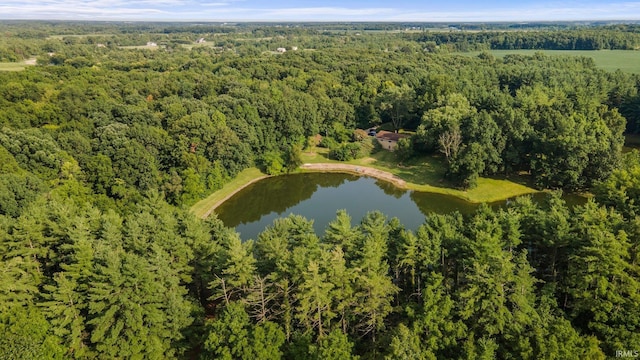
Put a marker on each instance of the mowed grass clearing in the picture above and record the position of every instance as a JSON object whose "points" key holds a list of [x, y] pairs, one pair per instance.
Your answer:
{"points": [[610, 60], [141, 47], [425, 173], [17, 66], [9, 66]]}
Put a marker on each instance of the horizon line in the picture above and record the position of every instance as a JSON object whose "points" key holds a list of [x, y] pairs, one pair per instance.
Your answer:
{"points": [[637, 20]]}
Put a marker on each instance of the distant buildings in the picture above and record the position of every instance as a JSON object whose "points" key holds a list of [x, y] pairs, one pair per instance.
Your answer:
{"points": [[201, 41], [151, 44], [283, 49]]}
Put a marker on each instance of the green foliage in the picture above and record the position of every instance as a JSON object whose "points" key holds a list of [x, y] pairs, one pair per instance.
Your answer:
{"points": [[193, 187], [94, 263], [345, 152], [328, 142], [622, 189], [16, 192], [335, 346], [339, 132], [397, 103], [293, 157], [234, 337], [34, 151], [404, 151], [272, 163], [25, 336]]}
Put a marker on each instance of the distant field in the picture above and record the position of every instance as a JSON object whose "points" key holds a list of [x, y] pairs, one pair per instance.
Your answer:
{"points": [[140, 47], [611, 60], [16, 66], [60, 37], [8, 66]]}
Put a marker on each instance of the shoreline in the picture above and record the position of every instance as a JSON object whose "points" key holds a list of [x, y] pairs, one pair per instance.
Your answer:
{"points": [[318, 167], [217, 203], [357, 170]]}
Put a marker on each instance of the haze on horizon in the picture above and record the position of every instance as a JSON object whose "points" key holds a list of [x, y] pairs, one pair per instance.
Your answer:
{"points": [[326, 10]]}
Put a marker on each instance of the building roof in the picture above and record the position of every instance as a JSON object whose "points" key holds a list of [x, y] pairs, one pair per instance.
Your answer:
{"points": [[388, 135]]}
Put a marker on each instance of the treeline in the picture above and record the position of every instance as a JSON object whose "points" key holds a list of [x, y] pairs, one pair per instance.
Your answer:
{"points": [[522, 282], [526, 128], [184, 121], [424, 36], [606, 38], [102, 148]]}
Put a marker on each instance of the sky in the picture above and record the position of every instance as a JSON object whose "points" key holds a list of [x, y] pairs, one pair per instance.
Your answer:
{"points": [[326, 10]]}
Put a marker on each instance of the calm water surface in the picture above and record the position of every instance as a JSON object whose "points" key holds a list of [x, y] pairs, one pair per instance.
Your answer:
{"points": [[318, 196]]}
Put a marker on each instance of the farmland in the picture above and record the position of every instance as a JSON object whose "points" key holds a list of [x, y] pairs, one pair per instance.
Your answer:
{"points": [[627, 61]]}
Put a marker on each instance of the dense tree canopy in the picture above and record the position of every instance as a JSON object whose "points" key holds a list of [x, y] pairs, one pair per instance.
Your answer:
{"points": [[105, 143]]}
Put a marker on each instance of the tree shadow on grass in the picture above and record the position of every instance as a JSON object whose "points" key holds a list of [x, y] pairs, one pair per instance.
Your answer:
{"points": [[421, 170], [523, 178]]}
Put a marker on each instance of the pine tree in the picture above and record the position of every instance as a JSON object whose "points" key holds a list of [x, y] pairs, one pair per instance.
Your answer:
{"points": [[237, 270], [340, 232], [18, 285], [435, 319], [374, 290], [603, 287], [335, 346], [406, 344], [136, 307], [314, 300], [65, 305], [232, 336], [488, 278], [342, 294]]}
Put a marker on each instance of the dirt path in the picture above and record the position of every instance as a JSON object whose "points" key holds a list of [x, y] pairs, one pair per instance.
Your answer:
{"points": [[358, 170]]}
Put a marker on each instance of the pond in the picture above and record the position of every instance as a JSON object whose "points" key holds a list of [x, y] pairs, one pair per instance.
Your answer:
{"points": [[318, 196]]}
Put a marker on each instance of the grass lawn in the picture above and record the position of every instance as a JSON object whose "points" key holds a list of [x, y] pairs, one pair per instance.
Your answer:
{"points": [[204, 207], [425, 173], [611, 60], [60, 37], [141, 47], [12, 66]]}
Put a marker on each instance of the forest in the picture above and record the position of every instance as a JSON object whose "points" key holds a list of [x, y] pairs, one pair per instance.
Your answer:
{"points": [[118, 129]]}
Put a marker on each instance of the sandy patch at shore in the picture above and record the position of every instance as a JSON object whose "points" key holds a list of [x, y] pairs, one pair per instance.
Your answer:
{"points": [[358, 170]]}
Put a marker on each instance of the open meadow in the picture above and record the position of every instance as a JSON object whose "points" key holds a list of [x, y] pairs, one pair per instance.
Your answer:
{"points": [[611, 60], [17, 66]]}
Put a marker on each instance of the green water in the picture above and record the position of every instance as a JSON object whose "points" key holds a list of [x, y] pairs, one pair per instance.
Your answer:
{"points": [[318, 196]]}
